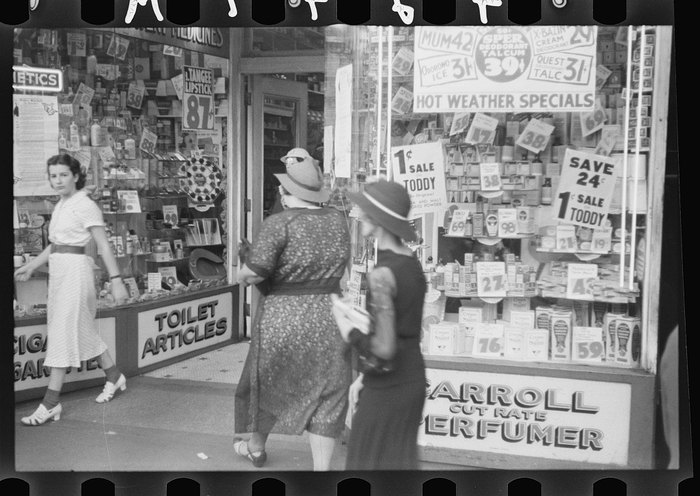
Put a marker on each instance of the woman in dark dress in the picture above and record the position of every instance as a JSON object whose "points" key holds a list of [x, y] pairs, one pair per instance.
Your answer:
{"points": [[389, 405], [297, 372]]}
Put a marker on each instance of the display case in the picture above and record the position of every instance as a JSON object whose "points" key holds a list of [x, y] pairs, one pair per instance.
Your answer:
{"points": [[536, 180], [156, 166]]}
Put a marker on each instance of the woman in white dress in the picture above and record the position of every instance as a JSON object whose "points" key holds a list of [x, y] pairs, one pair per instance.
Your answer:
{"points": [[72, 335]]}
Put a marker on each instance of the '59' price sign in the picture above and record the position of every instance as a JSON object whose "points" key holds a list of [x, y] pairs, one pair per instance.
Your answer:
{"points": [[197, 98], [587, 344]]}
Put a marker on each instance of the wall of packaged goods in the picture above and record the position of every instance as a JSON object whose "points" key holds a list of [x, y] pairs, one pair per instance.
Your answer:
{"points": [[534, 157]]}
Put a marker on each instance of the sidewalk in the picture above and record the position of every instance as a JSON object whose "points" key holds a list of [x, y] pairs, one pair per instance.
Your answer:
{"points": [[178, 418]]}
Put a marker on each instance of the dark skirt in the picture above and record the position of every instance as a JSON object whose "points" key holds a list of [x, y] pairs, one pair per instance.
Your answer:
{"points": [[384, 431]]}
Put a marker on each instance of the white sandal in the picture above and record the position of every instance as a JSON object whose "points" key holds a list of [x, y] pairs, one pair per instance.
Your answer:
{"points": [[110, 388], [42, 415]]}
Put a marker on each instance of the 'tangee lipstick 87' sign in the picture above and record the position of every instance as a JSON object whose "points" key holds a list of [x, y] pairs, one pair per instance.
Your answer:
{"points": [[545, 417]]}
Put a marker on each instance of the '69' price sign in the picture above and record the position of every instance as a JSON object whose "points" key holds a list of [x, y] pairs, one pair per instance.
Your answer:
{"points": [[491, 279], [197, 98]]}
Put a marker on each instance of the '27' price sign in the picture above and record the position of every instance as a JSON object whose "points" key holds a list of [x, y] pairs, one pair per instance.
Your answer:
{"points": [[197, 98], [491, 279]]}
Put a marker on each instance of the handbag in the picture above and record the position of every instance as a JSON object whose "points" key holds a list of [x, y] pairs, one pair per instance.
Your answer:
{"points": [[244, 249]]}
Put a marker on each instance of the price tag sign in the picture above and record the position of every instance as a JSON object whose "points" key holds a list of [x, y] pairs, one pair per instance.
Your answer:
{"points": [[460, 121], [402, 101], [132, 287], [536, 345], [535, 136], [172, 51], [76, 44], [403, 61], [588, 345], [134, 97], [592, 121], [566, 238], [84, 95], [459, 223], [177, 84], [65, 109], [148, 141], [197, 98], [578, 280], [608, 137], [488, 340], [601, 241], [490, 175], [118, 46], [507, 222], [586, 188], [602, 74], [482, 130], [154, 281], [107, 71], [491, 279]]}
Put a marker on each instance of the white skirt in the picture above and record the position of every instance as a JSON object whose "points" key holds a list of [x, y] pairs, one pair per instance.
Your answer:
{"points": [[72, 304]]}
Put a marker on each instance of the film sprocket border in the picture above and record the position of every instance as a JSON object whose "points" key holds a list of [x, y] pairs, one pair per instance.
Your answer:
{"points": [[248, 13]]}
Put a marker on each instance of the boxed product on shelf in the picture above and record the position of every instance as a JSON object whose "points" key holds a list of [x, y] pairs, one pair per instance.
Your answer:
{"points": [[560, 335], [446, 338], [628, 338]]}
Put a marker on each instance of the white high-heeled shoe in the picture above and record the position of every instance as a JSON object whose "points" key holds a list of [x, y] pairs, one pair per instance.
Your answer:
{"points": [[108, 392], [42, 415]]}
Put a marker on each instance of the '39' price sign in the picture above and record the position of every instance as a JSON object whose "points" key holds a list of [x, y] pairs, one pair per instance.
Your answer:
{"points": [[197, 98]]}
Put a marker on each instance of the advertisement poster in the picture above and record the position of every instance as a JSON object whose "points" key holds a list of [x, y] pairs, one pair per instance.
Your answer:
{"points": [[421, 170], [30, 352], [167, 332], [586, 188], [504, 69], [35, 139], [343, 121], [544, 417], [197, 98]]}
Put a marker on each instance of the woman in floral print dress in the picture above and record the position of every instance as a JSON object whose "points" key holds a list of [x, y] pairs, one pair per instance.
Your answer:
{"points": [[297, 372]]}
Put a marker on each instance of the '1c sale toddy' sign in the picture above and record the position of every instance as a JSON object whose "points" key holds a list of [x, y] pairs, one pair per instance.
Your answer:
{"points": [[586, 188], [197, 98], [421, 170]]}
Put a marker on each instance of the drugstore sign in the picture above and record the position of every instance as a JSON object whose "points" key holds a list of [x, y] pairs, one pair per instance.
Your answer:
{"points": [[30, 353], [544, 417], [504, 69], [174, 330]]}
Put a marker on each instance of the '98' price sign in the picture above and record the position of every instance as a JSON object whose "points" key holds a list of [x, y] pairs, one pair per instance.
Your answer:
{"points": [[197, 98]]}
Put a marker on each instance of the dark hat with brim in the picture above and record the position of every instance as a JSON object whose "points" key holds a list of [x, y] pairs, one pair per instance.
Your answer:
{"points": [[305, 181], [387, 204]]}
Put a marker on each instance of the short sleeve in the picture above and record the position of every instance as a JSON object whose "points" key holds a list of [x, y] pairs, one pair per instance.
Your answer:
{"points": [[88, 213], [269, 245]]}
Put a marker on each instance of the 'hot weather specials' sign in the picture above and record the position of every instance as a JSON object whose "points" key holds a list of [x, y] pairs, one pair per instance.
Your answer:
{"points": [[544, 417], [504, 69], [421, 170], [586, 188], [171, 331]]}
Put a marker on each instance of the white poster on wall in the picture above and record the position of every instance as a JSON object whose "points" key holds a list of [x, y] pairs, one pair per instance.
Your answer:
{"points": [[35, 139], [343, 121], [504, 69], [544, 417], [421, 170]]}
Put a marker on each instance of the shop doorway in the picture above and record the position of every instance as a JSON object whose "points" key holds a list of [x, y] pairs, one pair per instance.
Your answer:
{"points": [[276, 121]]}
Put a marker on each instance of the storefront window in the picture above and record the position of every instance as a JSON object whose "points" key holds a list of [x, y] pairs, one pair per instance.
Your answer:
{"points": [[146, 118]]}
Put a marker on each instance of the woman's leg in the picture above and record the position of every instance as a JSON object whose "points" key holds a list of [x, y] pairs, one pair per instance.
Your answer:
{"points": [[53, 392], [321, 451], [108, 367]]}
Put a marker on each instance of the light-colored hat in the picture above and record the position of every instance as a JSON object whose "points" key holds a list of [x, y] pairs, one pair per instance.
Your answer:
{"points": [[304, 180], [298, 153], [387, 203]]}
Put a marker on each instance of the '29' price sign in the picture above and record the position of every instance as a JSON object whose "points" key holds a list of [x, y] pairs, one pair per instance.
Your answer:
{"points": [[491, 279], [197, 98]]}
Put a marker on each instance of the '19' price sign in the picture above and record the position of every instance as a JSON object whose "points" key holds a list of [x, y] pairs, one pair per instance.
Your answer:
{"points": [[197, 98], [491, 279]]}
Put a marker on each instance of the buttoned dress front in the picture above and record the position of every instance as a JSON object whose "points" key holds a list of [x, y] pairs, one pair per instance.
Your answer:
{"points": [[72, 331]]}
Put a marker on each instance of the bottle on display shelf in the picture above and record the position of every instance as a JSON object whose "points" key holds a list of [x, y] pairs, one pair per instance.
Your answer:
{"points": [[92, 62], [546, 191], [114, 200]]}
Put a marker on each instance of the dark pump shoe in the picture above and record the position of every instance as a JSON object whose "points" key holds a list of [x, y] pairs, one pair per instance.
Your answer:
{"points": [[258, 458]]}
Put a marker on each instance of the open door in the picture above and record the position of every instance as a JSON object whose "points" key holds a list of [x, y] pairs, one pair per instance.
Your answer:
{"points": [[276, 123]]}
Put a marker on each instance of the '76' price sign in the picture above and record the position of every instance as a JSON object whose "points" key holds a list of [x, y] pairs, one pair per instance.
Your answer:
{"points": [[488, 340], [491, 279], [197, 98]]}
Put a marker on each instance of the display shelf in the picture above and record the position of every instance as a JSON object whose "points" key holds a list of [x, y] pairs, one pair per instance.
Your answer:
{"points": [[490, 238]]}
